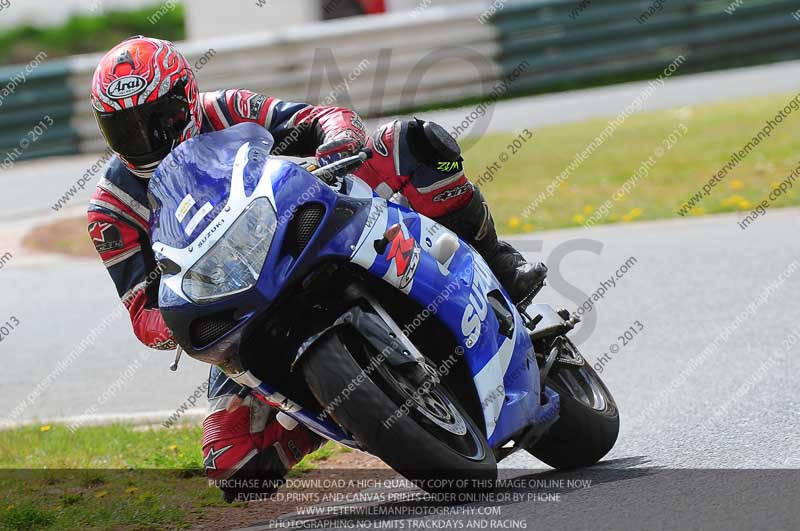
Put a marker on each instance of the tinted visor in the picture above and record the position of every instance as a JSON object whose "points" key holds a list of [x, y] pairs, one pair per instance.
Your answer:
{"points": [[146, 133]]}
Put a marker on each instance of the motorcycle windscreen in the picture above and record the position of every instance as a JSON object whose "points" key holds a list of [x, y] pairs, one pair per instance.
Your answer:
{"points": [[193, 182]]}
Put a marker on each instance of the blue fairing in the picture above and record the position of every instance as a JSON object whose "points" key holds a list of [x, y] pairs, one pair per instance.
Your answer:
{"points": [[504, 371], [492, 358], [200, 169]]}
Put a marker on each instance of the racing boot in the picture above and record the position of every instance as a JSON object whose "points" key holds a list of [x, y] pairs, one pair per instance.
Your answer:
{"points": [[249, 446], [474, 224]]}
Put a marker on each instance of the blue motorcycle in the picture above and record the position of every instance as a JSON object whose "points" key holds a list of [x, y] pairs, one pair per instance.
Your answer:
{"points": [[369, 323]]}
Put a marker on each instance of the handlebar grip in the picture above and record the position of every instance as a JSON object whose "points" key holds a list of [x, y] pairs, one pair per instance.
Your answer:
{"points": [[343, 166]]}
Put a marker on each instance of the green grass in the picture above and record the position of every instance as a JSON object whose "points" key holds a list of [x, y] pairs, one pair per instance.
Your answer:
{"points": [[104, 478], [101, 447], [89, 33], [714, 133]]}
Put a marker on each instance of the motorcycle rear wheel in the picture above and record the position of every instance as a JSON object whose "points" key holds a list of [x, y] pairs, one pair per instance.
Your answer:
{"points": [[417, 444], [588, 423]]}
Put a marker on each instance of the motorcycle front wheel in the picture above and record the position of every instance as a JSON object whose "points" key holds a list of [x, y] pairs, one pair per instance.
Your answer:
{"points": [[424, 437]]}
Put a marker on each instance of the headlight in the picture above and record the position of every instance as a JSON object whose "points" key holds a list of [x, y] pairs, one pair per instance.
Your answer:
{"points": [[235, 261]]}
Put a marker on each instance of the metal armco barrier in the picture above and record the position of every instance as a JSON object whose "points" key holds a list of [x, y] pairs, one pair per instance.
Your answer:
{"points": [[36, 112], [588, 41], [398, 62]]}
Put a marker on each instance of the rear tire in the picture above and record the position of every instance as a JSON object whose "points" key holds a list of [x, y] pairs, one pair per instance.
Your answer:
{"points": [[583, 434], [405, 445]]}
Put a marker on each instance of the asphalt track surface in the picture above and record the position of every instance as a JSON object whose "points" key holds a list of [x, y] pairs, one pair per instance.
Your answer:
{"points": [[731, 411], [690, 280], [733, 407], [29, 189], [617, 495], [59, 301]]}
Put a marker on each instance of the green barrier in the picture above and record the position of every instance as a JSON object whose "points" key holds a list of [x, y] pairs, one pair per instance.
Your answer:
{"points": [[36, 111], [575, 43], [563, 44]]}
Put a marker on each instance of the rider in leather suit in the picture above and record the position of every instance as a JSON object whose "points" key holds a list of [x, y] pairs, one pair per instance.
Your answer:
{"points": [[146, 101]]}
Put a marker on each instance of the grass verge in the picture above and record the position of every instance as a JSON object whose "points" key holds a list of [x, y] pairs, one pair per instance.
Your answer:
{"points": [[90, 33], [712, 134], [66, 236], [110, 478]]}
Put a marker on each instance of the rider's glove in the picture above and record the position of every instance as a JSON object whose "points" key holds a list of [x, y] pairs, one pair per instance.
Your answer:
{"points": [[345, 145]]}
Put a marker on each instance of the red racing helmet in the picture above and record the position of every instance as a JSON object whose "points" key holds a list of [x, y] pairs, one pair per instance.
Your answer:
{"points": [[145, 100]]}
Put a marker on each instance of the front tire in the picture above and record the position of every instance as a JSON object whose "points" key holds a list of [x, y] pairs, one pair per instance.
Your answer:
{"points": [[411, 444], [588, 423]]}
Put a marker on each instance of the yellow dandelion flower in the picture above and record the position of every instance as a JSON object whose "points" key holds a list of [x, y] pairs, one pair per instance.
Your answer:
{"points": [[697, 211], [45, 428], [744, 204], [101, 494], [774, 184], [633, 214], [736, 184], [528, 227], [588, 209], [514, 222], [732, 200], [578, 218], [131, 490], [173, 447]]}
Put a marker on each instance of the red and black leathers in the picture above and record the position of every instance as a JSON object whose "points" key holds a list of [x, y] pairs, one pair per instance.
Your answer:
{"points": [[119, 212], [235, 432]]}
